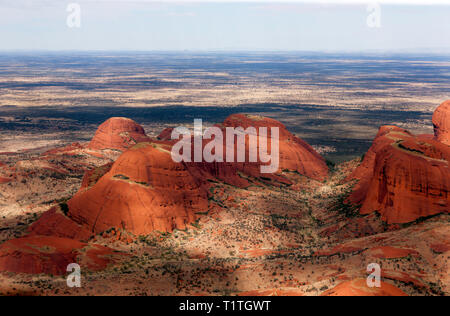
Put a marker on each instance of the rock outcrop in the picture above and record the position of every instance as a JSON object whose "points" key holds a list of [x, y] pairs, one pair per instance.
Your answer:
{"points": [[145, 190], [165, 135], [91, 177], [411, 180], [50, 255], [118, 133], [441, 123], [405, 177], [55, 222], [294, 153], [387, 135]]}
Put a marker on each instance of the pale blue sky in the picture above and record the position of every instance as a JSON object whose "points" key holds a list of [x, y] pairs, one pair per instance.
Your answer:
{"points": [[149, 25]]}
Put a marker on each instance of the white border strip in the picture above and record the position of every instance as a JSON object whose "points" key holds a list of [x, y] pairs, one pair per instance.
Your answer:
{"points": [[336, 2]]}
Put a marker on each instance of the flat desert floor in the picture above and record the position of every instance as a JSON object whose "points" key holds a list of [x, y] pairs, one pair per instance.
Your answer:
{"points": [[55, 98]]}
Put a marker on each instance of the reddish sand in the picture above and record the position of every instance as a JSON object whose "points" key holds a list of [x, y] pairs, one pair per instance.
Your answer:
{"points": [[50, 255], [64, 150], [5, 180], [259, 252], [402, 277], [441, 123], [359, 287], [118, 133], [337, 250], [273, 292], [440, 247], [387, 252]]}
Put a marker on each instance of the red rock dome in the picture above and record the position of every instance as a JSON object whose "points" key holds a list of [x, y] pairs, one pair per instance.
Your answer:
{"points": [[405, 177], [295, 154], [118, 133], [144, 191], [441, 123], [411, 180]]}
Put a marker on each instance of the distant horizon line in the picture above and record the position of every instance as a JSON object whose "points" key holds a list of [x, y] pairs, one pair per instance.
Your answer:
{"points": [[432, 51]]}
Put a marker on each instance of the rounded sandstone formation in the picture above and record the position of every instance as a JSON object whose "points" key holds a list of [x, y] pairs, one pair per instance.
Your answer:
{"points": [[387, 135], [411, 180], [441, 123], [144, 191], [118, 133], [294, 153]]}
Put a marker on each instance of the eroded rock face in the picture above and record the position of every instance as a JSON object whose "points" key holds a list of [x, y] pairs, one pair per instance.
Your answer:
{"points": [[441, 123], [118, 133], [387, 135], [50, 255], [295, 154], [144, 191], [165, 135], [411, 180], [55, 223], [91, 177], [405, 177]]}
